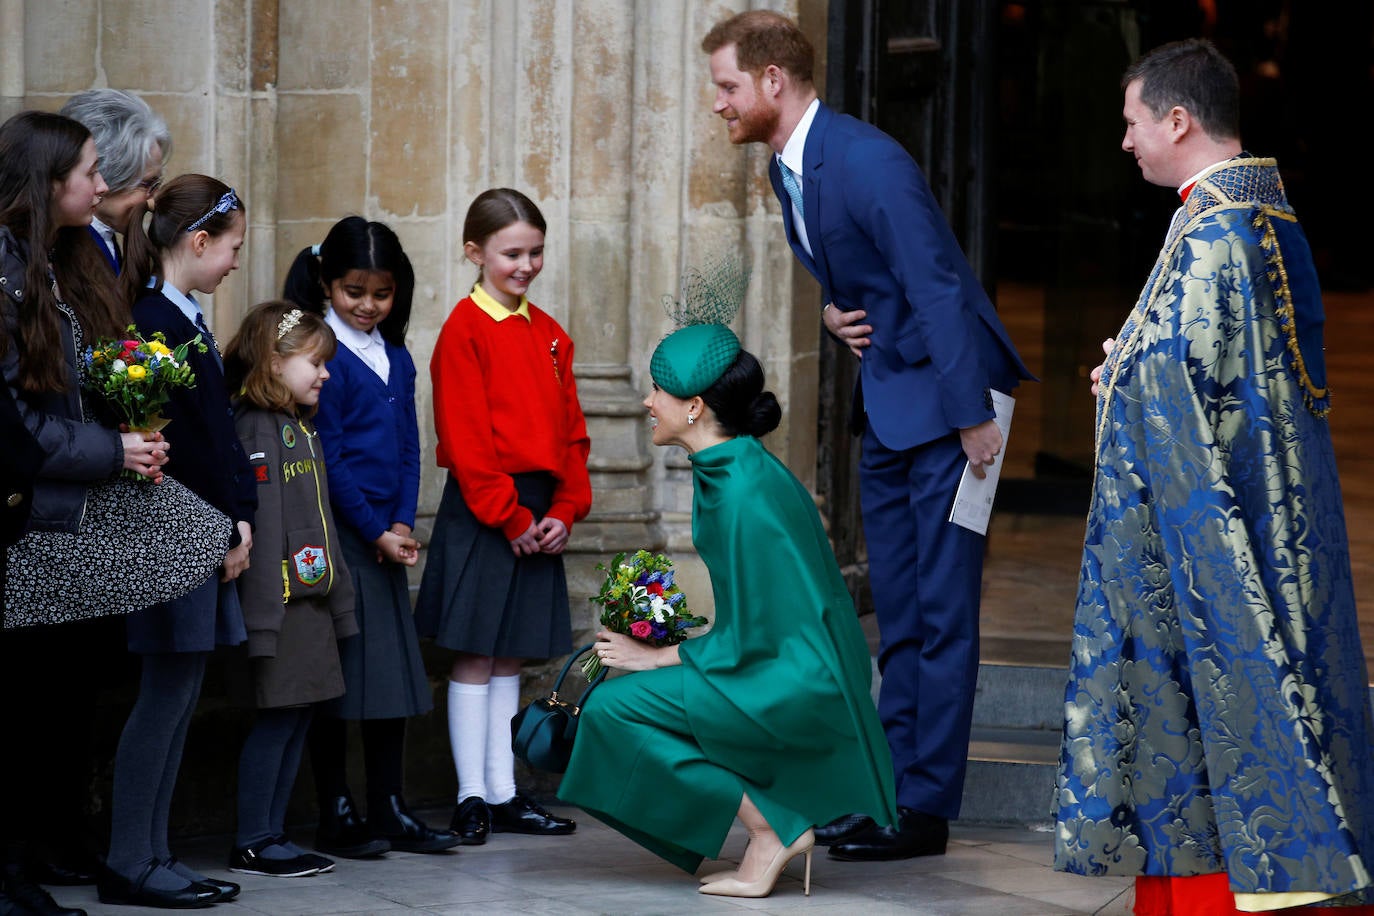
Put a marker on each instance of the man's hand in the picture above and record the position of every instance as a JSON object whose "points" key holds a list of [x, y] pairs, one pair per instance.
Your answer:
{"points": [[982, 443], [1096, 374], [846, 326]]}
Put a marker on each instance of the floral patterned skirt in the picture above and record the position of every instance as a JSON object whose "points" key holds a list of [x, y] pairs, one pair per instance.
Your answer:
{"points": [[139, 544]]}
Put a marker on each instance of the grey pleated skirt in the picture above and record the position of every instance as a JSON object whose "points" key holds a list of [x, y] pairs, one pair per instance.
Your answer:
{"points": [[384, 675], [477, 596]]}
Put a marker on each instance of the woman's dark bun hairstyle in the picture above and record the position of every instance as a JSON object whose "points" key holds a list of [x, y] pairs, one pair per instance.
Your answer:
{"points": [[737, 398]]}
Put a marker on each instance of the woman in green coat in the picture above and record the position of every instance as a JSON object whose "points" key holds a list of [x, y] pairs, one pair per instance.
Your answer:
{"points": [[768, 716]]}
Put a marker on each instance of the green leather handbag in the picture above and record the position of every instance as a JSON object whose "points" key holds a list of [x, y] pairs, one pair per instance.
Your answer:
{"points": [[542, 733]]}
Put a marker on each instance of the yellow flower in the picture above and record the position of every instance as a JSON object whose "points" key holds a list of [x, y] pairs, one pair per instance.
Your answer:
{"points": [[137, 373], [157, 347]]}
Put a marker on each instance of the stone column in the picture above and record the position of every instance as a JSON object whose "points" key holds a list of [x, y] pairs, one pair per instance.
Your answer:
{"points": [[601, 192]]}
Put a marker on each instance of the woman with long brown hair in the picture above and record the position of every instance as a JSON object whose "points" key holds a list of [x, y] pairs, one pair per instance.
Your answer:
{"points": [[97, 541]]}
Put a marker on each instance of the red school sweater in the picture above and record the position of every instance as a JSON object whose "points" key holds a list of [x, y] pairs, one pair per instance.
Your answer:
{"points": [[505, 402]]}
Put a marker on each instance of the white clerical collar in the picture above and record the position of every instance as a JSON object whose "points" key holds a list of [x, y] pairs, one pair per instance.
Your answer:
{"points": [[350, 336], [188, 306], [793, 153]]}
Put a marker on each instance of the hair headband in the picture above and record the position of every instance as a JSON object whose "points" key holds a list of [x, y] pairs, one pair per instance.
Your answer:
{"points": [[228, 201], [289, 321]]}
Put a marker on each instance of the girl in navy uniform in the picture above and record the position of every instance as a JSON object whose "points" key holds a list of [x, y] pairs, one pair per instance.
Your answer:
{"points": [[190, 245], [360, 279]]}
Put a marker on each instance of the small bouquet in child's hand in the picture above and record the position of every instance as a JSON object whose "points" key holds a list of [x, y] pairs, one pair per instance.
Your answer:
{"points": [[136, 376], [641, 599]]}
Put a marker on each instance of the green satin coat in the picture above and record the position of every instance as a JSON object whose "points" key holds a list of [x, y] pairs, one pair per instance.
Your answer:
{"points": [[774, 700]]}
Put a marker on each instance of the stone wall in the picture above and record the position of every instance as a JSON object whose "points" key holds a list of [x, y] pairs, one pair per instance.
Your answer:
{"points": [[403, 111]]}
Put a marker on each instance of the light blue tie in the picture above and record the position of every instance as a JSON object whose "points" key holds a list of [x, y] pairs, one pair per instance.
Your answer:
{"points": [[790, 183]]}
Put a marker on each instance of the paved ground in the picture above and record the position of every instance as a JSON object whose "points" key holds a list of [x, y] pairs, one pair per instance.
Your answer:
{"points": [[988, 871]]}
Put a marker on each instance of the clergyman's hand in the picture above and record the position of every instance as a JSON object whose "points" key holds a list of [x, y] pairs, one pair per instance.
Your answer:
{"points": [[1096, 374]]}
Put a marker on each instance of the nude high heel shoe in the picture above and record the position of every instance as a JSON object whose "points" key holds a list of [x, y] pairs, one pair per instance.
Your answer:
{"points": [[764, 884]]}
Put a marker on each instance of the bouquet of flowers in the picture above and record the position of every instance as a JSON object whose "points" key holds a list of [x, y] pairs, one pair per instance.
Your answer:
{"points": [[136, 376], [641, 599]]}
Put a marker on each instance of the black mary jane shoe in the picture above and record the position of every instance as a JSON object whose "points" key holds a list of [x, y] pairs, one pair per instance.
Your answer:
{"points": [[521, 815], [228, 890], [342, 832], [471, 821], [843, 828], [391, 819], [113, 887]]}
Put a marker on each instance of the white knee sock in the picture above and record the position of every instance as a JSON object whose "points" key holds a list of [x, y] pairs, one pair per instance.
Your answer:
{"points": [[503, 704], [467, 736]]}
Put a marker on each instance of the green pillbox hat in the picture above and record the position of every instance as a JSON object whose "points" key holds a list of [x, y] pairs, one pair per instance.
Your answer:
{"points": [[691, 359]]}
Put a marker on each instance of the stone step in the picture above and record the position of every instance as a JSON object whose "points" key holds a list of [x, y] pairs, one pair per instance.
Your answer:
{"points": [[1019, 696], [1010, 777]]}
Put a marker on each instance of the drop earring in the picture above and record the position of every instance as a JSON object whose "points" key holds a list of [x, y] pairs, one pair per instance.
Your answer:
{"points": [[691, 419]]}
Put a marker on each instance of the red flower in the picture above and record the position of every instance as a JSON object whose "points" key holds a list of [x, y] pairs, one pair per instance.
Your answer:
{"points": [[654, 588], [130, 345], [641, 629]]}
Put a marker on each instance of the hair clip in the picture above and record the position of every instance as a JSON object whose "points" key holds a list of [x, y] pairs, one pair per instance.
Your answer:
{"points": [[228, 201], [315, 250], [289, 321]]}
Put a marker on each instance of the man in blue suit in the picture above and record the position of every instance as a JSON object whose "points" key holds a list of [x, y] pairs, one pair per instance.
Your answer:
{"points": [[902, 296]]}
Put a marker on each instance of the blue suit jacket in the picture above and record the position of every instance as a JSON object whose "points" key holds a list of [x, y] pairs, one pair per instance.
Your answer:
{"points": [[882, 244]]}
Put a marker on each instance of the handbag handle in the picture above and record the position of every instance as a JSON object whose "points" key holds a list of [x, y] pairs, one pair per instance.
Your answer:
{"points": [[558, 684]]}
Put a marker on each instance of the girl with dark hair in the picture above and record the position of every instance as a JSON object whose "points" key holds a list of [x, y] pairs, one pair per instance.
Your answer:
{"points": [[512, 435], [768, 716], [360, 279], [87, 552], [297, 593], [190, 244]]}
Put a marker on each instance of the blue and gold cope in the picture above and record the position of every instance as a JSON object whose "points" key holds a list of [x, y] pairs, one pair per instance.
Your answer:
{"points": [[1217, 711]]}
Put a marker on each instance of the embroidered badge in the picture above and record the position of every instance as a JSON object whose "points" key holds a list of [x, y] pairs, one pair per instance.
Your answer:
{"points": [[310, 563], [288, 436], [260, 473]]}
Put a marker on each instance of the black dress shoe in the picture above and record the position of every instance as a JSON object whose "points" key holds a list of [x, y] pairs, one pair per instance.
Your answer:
{"points": [[249, 860], [25, 898], [916, 834], [342, 833], [842, 829], [520, 815], [113, 887], [390, 818], [228, 890], [471, 821]]}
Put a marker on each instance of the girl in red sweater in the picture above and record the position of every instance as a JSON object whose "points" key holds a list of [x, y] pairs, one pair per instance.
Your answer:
{"points": [[512, 436]]}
